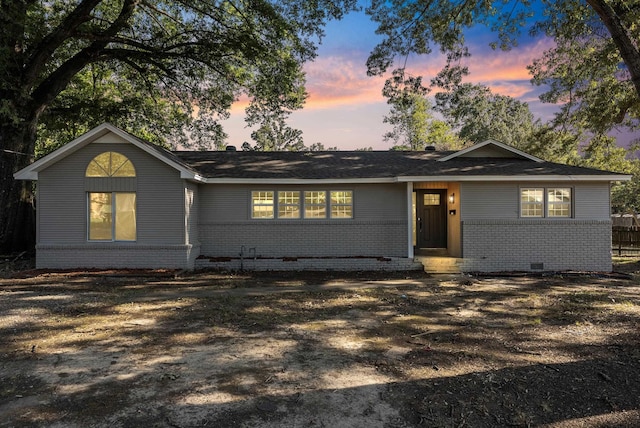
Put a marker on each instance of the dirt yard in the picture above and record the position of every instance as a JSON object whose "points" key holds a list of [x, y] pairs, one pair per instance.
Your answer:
{"points": [[145, 349]]}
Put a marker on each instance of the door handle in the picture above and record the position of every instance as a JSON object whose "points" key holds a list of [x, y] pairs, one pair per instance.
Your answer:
{"points": [[420, 224]]}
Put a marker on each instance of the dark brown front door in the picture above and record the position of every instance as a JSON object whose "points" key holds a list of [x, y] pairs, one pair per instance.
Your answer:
{"points": [[431, 218]]}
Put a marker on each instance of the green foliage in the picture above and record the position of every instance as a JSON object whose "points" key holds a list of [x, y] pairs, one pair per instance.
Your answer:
{"points": [[478, 115], [275, 135], [319, 147], [414, 125], [606, 33], [591, 98], [154, 66], [602, 153], [412, 26]]}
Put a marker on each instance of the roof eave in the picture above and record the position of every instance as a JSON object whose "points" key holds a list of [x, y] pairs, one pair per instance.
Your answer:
{"points": [[546, 178], [369, 180]]}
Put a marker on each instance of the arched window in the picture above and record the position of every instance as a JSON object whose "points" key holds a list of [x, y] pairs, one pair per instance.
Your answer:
{"points": [[111, 215], [110, 164]]}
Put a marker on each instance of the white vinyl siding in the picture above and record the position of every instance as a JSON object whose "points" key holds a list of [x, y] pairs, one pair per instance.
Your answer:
{"points": [[488, 200], [158, 187]]}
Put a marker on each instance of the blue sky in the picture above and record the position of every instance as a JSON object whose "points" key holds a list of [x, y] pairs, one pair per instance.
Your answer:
{"points": [[345, 107]]}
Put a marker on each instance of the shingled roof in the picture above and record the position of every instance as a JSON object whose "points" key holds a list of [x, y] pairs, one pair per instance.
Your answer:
{"points": [[489, 160], [365, 165]]}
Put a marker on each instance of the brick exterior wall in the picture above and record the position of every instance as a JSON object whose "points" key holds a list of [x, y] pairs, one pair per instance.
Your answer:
{"points": [[311, 264], [536, 245], [105, 256], [305, 239]]}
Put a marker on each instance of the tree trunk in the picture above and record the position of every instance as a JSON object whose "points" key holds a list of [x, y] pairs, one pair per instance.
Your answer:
{"points": [[622, 37], [17, 213]]}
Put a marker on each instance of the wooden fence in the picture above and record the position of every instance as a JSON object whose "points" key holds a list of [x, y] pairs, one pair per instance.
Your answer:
{"points": [[626, 240]]}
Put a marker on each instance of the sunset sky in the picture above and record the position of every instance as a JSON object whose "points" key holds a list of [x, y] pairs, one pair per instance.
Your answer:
{"points": [[345, 107]]}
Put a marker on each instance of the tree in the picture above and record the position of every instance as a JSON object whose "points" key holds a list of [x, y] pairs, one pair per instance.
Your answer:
{"points": [[414, 26], [596, 99], [275, 135], [410, 115], [319, 147], [97, 94], [602, 153], [196, 55], [478, 115]]}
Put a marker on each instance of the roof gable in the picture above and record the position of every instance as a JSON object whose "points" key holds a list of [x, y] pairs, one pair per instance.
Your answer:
{"points": [[105, 133], [490, 149]]}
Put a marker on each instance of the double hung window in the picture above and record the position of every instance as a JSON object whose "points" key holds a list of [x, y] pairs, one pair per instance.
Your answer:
{"points": [[552, 202], [308, 204]]}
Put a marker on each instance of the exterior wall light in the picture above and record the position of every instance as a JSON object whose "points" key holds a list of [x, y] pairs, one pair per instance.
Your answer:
{"points": [[452, 198]]}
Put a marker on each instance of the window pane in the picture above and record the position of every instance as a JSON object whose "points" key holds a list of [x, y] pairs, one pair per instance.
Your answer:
{"points": [[341, 211], [532, 195], [262, 204], [121, 166], [100, 216], [110, 164], [315, 212], [341, 197], [315, 197], [431, 199], [99, 166], [559, 195], [125, 220], [288, 197]]}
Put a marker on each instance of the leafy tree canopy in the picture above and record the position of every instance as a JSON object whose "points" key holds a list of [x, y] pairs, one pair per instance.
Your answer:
{"points": [[478, 115], [145, 65], [411, 116], [417, 27]]}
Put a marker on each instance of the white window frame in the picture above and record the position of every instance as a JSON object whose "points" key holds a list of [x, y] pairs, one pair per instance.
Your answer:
{"points": [[546, 203]]}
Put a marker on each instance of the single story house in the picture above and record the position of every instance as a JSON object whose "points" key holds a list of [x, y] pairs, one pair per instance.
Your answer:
{"points": [[111, 200]]}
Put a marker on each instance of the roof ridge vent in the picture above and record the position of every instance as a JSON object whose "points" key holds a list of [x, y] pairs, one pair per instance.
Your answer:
{"points": [[430, 148], [231, 148]]}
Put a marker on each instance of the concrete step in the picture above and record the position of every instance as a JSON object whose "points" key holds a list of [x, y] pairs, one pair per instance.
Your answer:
{"points": [[440, 264]]}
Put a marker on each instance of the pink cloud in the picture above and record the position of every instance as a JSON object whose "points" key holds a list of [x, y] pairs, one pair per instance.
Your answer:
{"points": [[341, 81]]}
